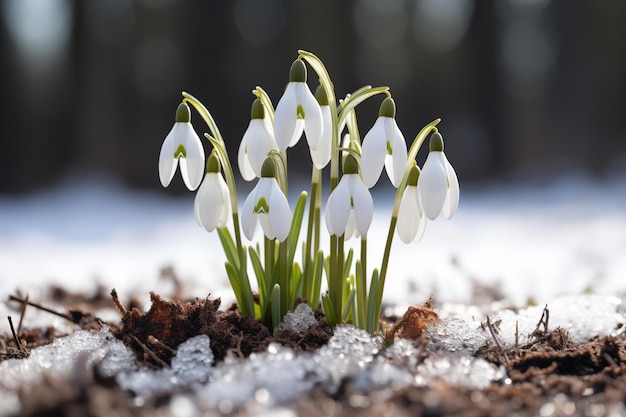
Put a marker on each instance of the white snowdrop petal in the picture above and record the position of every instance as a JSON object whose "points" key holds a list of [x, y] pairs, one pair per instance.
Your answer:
{"points": [[192, 167], [259, 144], [321, 155], [167, 162], [285, 118], [452, 202], [351, 227], [373, 153], [225, 202], [395, 164], [421, 226], [313, 120], [433, 185], [338, 208], [243, 160], [248, 217], [209, 203], [329, 223], [363, 205], [280, 213], [408, 215]]}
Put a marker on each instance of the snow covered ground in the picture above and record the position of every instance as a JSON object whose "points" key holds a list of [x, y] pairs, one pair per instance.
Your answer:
{"points": [[530, 241]]}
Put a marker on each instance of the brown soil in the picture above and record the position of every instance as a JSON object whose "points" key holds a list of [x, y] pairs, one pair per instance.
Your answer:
{"points": [[549, 376]]}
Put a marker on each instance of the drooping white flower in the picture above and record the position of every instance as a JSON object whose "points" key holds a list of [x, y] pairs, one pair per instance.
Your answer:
{"points": [[297, 111], [212, 202], [266, 204], [321, 155], [438, 183], [411, 222], [384, 145], [182, 146], [350, 208], [256, 143]]}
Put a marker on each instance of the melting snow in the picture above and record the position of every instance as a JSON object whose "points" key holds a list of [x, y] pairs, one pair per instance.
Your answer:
{"points": [[279, 375]]}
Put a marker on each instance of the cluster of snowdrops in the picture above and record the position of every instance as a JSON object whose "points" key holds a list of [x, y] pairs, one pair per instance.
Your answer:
{"points": [[286, 266]]}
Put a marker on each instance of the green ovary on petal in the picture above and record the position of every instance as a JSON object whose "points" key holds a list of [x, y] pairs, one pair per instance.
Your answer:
{"points": [[261, 206], [180, 152]]}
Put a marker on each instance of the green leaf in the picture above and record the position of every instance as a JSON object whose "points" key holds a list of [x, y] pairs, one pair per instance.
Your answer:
{"points": [[361, 296], [259, 272], [318, 269], [276, 316], [348, 264], [331, 317], [233, 277], [296, 283], [372, 304], [296, 226], [232, 255], [349, 306]]}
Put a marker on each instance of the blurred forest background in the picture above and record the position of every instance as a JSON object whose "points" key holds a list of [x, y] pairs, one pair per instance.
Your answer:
{"points": [[525, 88]]}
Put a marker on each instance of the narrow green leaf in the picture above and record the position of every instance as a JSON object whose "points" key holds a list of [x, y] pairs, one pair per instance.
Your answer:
{"points": [[361, 296], [349, 306], [259, 272], [296, 283], [348, 264], [329, 310], [316, 288], [233, 277], [372, 306], [276, 316], [296, 225], [232, 255]]}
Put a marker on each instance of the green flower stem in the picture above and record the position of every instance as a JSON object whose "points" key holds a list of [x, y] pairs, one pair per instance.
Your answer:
{"points": [[310, 248], [247, 307], [412, 154], [265, 100], [383, 268], [361, 285], [284, 279]]}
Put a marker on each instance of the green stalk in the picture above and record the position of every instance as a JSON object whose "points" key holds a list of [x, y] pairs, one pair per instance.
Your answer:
{"points": [[309, 243], [284, 279], [361, 284]]}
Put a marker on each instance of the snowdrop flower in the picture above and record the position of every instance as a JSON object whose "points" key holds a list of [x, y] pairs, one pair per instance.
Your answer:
{"points": [[212, 202], [411, 217], [182, 145], [438, 183], [384, 145], [350, 207], [321, 155], [257, 142], [266, 204], [297, 110]]}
